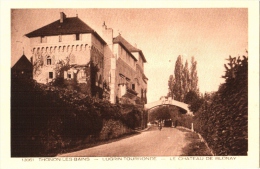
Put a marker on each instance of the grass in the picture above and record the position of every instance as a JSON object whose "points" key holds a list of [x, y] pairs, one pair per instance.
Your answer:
{"points": [[195, 147]]}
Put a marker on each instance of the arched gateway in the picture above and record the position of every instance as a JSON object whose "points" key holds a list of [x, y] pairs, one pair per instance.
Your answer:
{"points": [[169, 101]]}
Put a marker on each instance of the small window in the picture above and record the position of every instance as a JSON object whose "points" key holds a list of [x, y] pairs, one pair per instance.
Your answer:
{"points": [[69, 75], [43, 39], [77, 36], [48, 61], [133, 86], [50, 75], [60, 38]]}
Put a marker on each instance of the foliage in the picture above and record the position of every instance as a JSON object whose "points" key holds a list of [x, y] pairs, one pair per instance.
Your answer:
{"points": [[193, 100], [171, 112], [61, 66], [177, 87], [223, 117], [179, 118], [183, 80], [171, 83], [194, 76], [46, 119], [186, 79], [160, 113]]}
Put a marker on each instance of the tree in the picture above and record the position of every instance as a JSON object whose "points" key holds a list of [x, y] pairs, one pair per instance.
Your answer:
{"points": [[186, 79], [194, 101], [178, 72], [160, 113], [194, 76], [183, 80], [171, 83]]}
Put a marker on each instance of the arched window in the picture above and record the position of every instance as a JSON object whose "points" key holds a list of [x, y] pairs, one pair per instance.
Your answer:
{"points": [[48, 60]]}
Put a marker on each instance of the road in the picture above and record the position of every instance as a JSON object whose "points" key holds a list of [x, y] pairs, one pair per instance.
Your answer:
{"points": [[167, 142]]}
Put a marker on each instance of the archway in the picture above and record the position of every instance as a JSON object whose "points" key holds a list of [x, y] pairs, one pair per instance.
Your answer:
{"points": [[168, 101]]}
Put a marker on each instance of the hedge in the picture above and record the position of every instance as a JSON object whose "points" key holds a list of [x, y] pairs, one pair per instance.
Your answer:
{"points": [[223, 120], [45, 119]]}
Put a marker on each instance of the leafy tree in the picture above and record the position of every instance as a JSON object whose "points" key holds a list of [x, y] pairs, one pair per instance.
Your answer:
{"points": [[178, 72], [186, 79], [194, 76], [161, 112], [223, 119], [183, 80], [171, 83], [194, 101]]}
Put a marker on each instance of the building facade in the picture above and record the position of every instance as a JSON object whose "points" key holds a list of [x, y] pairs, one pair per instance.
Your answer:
{"points": [[70, 49], [125, 71], [109, 67]]}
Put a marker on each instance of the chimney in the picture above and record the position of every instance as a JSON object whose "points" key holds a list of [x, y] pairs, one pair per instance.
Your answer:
{"points": [[107, 34], [62, 17]]}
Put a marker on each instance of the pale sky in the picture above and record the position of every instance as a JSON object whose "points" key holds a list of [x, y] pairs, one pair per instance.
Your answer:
{"points": [[209, 34]]}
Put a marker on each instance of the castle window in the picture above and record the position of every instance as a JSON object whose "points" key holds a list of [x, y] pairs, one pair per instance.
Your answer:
{"points": [[43, 39], [69, 75], [48, 61], [51, 75], [133, 86], [77, 36]]}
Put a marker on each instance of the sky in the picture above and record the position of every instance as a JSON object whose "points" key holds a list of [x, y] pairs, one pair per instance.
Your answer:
{"points": [[208, 34]]}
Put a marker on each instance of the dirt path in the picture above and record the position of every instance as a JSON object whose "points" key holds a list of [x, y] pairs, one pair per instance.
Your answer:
{"points": [[167, 142]]}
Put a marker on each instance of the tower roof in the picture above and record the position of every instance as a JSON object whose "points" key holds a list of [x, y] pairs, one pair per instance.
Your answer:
{"points": [[22, 64]]}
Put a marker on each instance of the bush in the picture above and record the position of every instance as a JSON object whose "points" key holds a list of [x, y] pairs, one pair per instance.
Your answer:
{"points": [[223, 118], [46, 119], [193, 100]]}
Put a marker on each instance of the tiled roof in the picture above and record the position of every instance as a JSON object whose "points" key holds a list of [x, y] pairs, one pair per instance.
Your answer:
{"points": [[71, 25], [23, 64], [131, 48]]}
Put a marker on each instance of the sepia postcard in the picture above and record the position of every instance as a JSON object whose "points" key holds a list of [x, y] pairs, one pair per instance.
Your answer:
{"points": [[130, 84]]}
